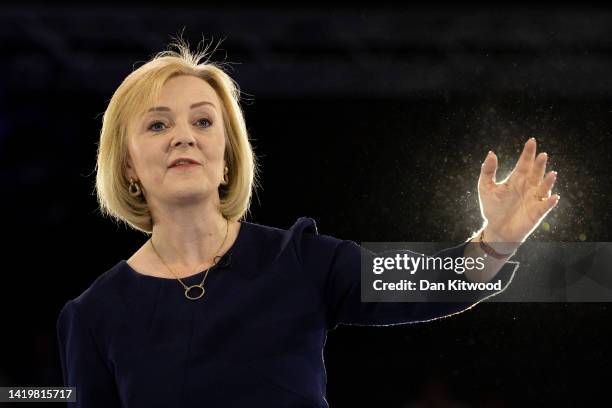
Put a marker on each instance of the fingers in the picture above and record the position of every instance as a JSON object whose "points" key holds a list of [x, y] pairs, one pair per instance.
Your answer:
{"points": [[545, 206], [539, 168], [525, 161], [488, 170], [544, 188]]}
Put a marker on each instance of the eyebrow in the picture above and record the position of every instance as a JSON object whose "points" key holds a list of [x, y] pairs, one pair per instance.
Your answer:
{"points": [[195, 105]]}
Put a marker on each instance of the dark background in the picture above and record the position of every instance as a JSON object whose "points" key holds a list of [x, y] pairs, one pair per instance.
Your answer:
{"points": [[371, 119]]}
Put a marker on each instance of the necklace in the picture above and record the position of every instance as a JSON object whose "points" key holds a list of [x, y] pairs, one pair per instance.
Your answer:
{"points": [[199, 289]]}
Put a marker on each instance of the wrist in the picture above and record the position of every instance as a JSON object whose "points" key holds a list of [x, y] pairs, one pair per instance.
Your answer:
{"points": [[495, 245]]}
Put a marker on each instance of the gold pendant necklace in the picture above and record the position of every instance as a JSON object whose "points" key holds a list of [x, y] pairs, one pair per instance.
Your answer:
{"points": [[200, 287]]}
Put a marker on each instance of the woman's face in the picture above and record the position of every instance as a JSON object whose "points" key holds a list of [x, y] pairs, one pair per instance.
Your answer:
{"points": [[187, 122]]}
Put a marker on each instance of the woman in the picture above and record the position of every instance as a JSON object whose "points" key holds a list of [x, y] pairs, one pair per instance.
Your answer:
{"points": [[215, 311]]}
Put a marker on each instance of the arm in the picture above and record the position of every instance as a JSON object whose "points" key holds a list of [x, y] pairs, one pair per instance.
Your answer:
{"points": [[83, 366], [511, 209], [335, 267]]}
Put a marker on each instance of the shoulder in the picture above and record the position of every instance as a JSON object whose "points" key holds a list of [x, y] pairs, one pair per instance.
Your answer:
{"points": [[303, 225], [303, 239], [304, 231], [101, 293]]}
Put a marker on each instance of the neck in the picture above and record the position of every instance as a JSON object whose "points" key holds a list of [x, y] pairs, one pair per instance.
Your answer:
{"points": [[189, 236]]}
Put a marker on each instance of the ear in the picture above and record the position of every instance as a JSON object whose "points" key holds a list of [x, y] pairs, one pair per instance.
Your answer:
{"points": [[130, 171]]}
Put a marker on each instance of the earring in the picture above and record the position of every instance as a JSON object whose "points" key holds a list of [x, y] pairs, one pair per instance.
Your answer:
{"points": [[225, 177], [134, 188]]}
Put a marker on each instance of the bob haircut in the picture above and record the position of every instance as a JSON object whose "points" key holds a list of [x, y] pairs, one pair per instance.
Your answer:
{"points": [[137, 93]]}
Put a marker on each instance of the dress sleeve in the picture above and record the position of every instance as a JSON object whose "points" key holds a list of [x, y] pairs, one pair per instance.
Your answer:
{"points": [[82, 363], [335, 266]]}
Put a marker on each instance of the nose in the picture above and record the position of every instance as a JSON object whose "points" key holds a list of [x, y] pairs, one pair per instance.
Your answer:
{"points": [[183, 136], [179, 142]]}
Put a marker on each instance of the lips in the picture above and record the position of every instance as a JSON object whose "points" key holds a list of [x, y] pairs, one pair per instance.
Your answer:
{"points": [[184, 165], [184, 161]]}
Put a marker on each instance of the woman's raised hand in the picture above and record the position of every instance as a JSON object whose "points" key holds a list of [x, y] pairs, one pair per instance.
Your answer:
{"points": [[514, 207]]}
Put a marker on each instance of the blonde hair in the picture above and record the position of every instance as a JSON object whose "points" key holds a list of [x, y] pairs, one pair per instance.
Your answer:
{"points": [[137, 93]]}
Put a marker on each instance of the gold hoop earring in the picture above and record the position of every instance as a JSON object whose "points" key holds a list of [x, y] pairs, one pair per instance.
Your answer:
{"points": [[134, 188], [225, 176]]}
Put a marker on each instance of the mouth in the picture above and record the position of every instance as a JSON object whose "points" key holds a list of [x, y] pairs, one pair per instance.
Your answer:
{"points": [[184, 166], [183, 162]]}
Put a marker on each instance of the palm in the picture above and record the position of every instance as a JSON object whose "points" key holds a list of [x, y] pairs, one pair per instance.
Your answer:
{"points": [[512, 208]]}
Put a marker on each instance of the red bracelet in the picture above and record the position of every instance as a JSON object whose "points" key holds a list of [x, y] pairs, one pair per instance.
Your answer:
{"points": [[490, 251]]}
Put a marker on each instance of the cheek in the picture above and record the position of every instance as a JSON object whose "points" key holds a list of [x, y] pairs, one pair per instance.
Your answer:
{"points": [[148, 160], [138, 152], [215, 153]]}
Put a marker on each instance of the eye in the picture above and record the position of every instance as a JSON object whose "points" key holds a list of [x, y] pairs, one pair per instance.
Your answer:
{"points": [[153, 124], [205, 120]]}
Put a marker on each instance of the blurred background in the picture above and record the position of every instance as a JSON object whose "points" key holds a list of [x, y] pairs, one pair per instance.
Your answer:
{"points": [[372, 119]]}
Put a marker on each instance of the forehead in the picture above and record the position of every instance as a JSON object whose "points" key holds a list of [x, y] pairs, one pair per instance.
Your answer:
{"points": [[181, 91]]}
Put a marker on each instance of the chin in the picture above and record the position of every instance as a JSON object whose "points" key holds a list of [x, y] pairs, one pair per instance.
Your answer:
{"points": [[190, 194]]}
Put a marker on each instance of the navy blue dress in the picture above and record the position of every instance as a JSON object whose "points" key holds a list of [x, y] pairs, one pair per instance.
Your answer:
{"points": [[255, 339]]}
